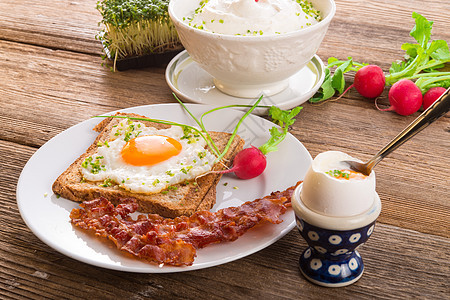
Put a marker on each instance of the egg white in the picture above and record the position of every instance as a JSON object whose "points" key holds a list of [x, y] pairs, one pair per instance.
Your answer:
{"points": [[108, 167], [325, 194]]}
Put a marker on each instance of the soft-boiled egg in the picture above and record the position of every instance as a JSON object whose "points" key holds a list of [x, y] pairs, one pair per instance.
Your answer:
{"points": [[147, 160], [331, 188]]}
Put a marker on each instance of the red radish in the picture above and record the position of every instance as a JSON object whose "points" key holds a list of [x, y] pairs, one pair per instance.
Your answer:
{"points": [[248, 163], [405, 98], [369, 81], [432, 95]]}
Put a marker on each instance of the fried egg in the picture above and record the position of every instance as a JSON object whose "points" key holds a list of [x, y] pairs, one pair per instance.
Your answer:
{"points": [[331, 188], [147, 160]]}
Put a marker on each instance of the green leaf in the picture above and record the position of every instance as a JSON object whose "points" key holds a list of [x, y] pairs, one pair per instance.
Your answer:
{"points": [[284, 118], [335, 82], [338, 81], [440, 50], [423, 58], [421, 32], [332, 60], [326, 90], [396, 67], [411, 50], [346, 65], [270, 146], [426, 83]]}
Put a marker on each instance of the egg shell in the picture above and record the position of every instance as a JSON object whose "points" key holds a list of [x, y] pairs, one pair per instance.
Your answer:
{"points": [[330, 196]]}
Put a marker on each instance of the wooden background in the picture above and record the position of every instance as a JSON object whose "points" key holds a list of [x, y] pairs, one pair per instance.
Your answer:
{"points": [[51, 79]]}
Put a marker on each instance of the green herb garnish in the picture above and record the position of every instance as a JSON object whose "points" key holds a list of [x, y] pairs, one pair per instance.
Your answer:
{"points": [[338, 174], [207, 138], [108, 182], [94, 165]]}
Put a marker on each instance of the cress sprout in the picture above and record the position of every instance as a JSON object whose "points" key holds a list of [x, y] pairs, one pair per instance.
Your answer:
{"points": [[136, 28]]}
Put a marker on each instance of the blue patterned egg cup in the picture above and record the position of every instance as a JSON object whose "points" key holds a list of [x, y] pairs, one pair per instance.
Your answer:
{"points": [[331, 259]]}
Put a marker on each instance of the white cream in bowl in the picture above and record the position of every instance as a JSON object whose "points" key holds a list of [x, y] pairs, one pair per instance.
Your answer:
{"points": [[331, 189], [253, 17]]}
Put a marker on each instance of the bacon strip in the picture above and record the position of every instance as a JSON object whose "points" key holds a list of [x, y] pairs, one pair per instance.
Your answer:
{"points": [[174, 241]]}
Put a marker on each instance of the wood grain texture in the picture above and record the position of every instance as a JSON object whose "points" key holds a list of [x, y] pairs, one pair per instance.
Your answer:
{"points": [[51, 78], [45, 89], [67, 24]]}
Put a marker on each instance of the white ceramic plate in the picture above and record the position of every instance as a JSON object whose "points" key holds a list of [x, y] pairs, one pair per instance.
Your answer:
{"points": [[191, 83], [48, 216]]}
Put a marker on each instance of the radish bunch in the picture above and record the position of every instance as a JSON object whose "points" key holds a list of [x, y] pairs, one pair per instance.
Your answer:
{"points": [[405, 97], [421, 73]]}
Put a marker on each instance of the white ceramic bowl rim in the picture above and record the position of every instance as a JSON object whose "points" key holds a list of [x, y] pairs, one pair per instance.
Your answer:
{"points": [[313, 27], [335, 223]]}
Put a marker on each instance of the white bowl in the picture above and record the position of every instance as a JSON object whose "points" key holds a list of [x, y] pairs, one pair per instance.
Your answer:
{"points": [[247, 66]]}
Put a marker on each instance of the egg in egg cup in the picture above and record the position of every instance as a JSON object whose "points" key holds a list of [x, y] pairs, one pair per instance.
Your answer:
{"points": [[331, 259]]}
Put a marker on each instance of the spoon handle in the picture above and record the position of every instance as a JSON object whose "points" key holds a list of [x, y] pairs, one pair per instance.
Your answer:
{"points": [[439, 108]]}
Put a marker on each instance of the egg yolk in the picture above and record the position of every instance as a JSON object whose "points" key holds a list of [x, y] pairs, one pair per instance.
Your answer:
{"points": [[346, 174], [150, 149]]}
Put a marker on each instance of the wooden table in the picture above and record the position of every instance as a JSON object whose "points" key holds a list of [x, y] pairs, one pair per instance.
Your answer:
{"points": [[51, 79]]}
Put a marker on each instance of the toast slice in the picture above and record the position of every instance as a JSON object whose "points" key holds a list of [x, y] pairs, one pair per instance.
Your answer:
{"points": [[187, 198]]}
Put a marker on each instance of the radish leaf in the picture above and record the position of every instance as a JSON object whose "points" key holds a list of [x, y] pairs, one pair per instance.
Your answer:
{"points": [[423, 58], [284, 118], [336, 82]]}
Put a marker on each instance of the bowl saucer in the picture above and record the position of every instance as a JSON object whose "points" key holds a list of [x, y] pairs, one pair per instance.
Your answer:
{"points": [[193, 84]]}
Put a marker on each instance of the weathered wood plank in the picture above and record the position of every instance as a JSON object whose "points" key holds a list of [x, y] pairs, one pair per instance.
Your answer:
{"points": [[41, 88], [69, 25]]}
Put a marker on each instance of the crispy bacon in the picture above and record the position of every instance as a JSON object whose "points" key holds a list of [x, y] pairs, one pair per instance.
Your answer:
{"points": [[174, 241]]}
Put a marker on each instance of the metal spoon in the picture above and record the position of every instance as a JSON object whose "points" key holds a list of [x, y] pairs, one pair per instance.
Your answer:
{"points": [[439, 108]]}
